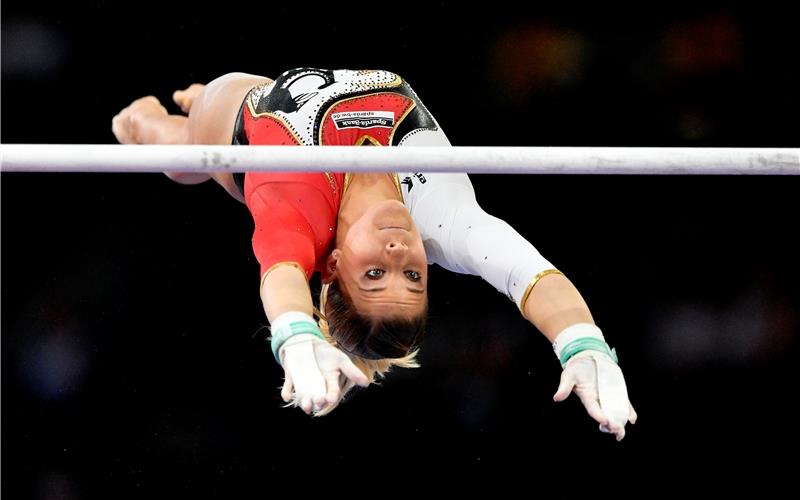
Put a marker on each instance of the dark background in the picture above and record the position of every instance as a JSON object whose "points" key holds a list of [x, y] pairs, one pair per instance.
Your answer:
{"points": [[134, 362]]}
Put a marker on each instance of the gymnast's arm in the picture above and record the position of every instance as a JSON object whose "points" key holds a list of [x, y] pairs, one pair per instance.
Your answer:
{"points": [[212, 111], [284, 245], [464, 238]]}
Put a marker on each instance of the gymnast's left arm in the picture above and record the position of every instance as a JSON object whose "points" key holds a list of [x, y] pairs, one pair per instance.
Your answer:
{"points": [[590, 368], [472, 241]]}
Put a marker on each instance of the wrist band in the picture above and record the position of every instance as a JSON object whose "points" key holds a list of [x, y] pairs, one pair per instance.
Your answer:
{"points": [[289, 324], [586, 344], [581, 337]]}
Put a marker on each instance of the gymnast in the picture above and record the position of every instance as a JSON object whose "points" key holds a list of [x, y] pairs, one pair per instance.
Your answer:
{"points": [[371, 235]]}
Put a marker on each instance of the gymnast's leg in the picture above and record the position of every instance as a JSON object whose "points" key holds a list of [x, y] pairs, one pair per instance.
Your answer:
{"points": [[212, 114]]}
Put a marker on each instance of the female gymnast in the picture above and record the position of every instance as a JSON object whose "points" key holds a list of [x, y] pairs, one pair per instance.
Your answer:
{"points": [[370, 236]]}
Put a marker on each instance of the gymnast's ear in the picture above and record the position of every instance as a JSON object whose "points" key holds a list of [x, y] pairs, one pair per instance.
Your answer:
{"points": [[330, 266]]}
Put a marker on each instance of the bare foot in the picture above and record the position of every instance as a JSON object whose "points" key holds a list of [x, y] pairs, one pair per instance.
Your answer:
{"points": [[126, 124], [184, 98]]}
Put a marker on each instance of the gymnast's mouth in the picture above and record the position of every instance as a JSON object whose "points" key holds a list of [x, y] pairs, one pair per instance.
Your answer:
{"points": [[386, 228]]}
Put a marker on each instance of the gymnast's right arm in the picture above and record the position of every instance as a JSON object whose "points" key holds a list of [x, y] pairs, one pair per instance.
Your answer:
{"points": [[285, 248]]}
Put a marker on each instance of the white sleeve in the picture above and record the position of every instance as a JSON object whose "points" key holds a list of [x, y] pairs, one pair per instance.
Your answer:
{"points": [[459, 236]]}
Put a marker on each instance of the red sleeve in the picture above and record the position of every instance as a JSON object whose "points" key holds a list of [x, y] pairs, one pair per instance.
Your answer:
{"points": [[282, 233]]}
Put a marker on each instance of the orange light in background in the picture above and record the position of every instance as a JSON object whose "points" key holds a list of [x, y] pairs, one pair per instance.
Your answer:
{"points": [[530, 57], [709, 44]]}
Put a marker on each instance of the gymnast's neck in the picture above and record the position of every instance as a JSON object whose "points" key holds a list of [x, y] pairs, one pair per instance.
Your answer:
{"points": [[364, 191]]}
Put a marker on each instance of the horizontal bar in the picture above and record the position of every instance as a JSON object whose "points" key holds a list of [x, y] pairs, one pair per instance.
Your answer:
{"points": [[494, 160]]}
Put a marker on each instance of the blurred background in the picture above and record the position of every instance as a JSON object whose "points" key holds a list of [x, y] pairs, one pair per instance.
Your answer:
{"points": [[134, 359]]}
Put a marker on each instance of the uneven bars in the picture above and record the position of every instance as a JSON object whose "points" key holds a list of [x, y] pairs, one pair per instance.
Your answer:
{"points": [[487, 160]]}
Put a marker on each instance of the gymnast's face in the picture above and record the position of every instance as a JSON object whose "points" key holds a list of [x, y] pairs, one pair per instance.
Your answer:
{"points": [[381, 262]]}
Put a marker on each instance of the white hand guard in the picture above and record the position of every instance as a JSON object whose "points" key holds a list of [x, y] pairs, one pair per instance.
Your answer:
{"points": [[312, 366], [591, 371]]}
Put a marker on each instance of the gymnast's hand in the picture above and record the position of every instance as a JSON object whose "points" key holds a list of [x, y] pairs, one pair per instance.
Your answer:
{"points": [[592, 373], [313, 368]]}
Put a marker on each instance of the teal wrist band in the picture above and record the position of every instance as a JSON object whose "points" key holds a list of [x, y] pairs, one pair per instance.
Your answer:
{"points": [[586, 344], [283, 333]]}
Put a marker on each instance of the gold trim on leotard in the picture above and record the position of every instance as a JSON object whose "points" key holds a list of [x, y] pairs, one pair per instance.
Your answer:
{"points": [[254, 114], [396, 180], [532, 284], [367, 138], [397, 123], [279, 264], [283, 122]]}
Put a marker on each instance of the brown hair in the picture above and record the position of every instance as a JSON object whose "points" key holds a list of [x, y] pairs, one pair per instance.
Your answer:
{"points": [[369, 337], [340, 323]]}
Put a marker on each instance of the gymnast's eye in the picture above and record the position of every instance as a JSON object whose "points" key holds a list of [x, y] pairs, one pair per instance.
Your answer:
{"points": [[413, 275], [375, 273]]}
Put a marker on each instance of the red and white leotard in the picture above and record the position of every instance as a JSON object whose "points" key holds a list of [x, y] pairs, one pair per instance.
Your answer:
{"points": [[295, 214], [295, 217]]}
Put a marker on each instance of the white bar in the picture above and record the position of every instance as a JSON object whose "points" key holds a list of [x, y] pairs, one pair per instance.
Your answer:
{"points": [[495, 160]]}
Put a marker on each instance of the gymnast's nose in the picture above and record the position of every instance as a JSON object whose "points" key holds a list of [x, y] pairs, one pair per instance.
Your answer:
{"points": [[396, 247]]}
